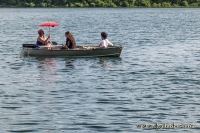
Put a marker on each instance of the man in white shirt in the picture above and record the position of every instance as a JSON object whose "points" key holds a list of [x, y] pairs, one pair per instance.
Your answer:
{"points": [[105, 42]]}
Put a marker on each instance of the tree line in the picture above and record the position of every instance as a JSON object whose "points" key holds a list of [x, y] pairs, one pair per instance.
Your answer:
{"points": [[99, 3]]}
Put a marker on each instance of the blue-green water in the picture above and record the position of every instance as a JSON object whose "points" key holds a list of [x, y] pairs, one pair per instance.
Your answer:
{"points": [[155, 80]]}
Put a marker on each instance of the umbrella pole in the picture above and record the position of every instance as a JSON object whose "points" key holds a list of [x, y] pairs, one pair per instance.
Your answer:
{"points": [[50, 38]]}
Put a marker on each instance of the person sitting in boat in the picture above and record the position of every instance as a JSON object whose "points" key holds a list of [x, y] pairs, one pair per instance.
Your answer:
{"points": [[105, 42], [70, 41], [42, 40]]}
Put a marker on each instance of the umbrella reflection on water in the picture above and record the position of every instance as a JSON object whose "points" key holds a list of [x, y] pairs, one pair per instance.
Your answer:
{"points": [[47, 68]]}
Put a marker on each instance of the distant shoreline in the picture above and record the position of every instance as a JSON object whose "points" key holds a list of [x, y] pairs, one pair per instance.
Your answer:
{"points": [[100, 4], [95, 7]]}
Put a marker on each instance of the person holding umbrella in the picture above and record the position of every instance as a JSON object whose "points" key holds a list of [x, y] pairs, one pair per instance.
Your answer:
{"points": [[42, 40]]}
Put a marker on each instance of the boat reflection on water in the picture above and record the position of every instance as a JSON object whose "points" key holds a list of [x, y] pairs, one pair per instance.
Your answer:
{"points": [[46, 63], [109, 62], [103, 62], [69, 63], [51, 69], [47, 68]]}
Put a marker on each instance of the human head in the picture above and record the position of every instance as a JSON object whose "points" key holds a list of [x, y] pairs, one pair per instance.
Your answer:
{"points": [[40, 32], [104, 35], [68, 34]]}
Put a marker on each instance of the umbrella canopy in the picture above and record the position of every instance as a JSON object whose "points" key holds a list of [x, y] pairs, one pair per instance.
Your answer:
{"points": [[49, 24]]}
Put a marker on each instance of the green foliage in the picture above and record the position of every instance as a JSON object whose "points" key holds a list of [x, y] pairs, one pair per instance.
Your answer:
{"points": [[156, 5], [31, 4], [175, 5], [42, 4], [175, 2], [143, 3], [125, 4], [92, 5], [194, 4], [26, 4], [10, 2], [78, 5], [165, 4], [111, 5], [131, 3], [100, 3], [85, 4], [184, 3], [71, 5]]}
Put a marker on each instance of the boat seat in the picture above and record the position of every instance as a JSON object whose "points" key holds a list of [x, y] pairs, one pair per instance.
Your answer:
{"points": [[29, 45]]}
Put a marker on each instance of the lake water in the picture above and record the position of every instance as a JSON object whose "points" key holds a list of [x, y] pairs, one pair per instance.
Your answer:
{"points": [[154, 82]]}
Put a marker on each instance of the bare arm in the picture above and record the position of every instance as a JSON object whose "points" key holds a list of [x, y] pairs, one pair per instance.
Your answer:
{"points": [[109, 43], [43, 39]]}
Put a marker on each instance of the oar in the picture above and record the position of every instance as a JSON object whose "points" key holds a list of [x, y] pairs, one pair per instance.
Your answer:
{"points": [[54, 43]]}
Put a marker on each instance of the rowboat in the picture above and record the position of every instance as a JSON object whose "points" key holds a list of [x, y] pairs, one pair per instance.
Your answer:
{"points": [[79, 51]]}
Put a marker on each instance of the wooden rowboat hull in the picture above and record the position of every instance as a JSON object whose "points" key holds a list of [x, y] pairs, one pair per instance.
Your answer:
{"points": [[80, 51]]}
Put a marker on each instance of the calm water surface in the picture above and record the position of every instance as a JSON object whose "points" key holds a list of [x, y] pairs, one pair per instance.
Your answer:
{"points": [[155, 80]]}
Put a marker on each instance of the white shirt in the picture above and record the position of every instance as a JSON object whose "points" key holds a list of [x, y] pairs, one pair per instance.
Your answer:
{"points": [[105, 43]]}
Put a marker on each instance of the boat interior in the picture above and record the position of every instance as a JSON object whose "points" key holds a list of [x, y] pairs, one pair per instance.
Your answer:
{"points": [[59, 47]]}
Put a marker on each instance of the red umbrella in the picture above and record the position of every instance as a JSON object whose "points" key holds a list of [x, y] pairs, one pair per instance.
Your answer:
{"points": [[49, 24], [52, 24]]}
